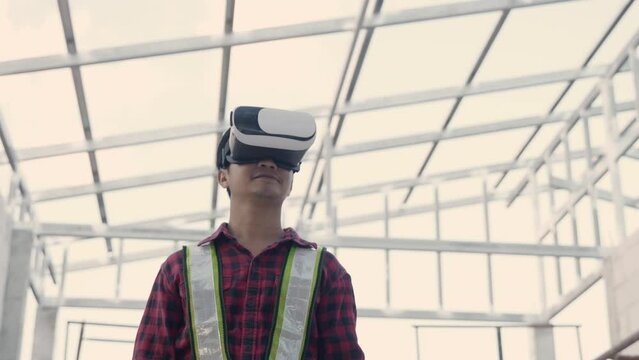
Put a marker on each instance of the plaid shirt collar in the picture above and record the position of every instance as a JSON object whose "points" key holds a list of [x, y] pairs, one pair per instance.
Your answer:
{"points": [[289, 234]]}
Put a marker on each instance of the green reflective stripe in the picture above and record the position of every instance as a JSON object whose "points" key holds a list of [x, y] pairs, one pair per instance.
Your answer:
{"points": [[295, 302], [286, 276], [191, 306], [311, 303], [217, 283]]}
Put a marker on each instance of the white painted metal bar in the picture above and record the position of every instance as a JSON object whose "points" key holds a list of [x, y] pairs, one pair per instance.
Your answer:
{"points": [[591, 189], [571, 210], [327, 144], [438, 237], [201, 43], [489, 262], [387, 252], [553, 230], [611, 27], [204, 129], [612, 136], [617, 64], [364, 312], [118, 274], [63, 274], [48, 229], [532, 180]]}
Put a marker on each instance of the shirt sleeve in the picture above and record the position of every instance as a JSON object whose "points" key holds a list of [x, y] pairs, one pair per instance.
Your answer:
{"points": [[337, 314], [163, 324]]}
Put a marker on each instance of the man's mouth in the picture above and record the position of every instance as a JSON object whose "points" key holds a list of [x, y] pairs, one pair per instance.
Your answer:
{"points": [[268, 176]]}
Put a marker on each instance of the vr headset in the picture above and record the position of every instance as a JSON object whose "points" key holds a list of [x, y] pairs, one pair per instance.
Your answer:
{"points": [[258, 133]]}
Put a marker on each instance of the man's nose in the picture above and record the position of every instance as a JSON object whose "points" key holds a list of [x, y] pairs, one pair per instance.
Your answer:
{"points": [[267, 163]]}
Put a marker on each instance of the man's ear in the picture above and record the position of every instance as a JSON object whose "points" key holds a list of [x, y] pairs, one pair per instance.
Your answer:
{"points": [[290, 188], [223, 178]]}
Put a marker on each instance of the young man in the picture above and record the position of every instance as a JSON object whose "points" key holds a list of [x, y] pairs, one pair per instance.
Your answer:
{"points": [[253, 290]]}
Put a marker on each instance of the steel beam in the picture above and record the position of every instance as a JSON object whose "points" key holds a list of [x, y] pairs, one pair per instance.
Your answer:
{"points": [[201, 43], [372, 313], [601, 194], [577, 114], [173, 234], [343, 151], [202, 129], [592, 176], [600, 43], [569, 297], [458, 100], [224, 85], [67, 26]]}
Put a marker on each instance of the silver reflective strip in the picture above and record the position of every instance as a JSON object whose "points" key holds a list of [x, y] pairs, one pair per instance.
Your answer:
{"points": [[297, 304], [203, 301]]}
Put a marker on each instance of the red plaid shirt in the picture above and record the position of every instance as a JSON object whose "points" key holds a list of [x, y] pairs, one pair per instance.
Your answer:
{"points": [[250, 294]]}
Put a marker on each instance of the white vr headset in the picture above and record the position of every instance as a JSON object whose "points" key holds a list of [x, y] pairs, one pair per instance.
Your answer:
{"points": [[261, 133]]}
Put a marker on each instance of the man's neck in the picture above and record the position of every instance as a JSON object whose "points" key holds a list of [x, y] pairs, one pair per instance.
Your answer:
{"points": [[255, 225]]}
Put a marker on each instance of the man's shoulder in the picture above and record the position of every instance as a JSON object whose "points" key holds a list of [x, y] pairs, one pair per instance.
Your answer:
{"points": [[331, 266]]}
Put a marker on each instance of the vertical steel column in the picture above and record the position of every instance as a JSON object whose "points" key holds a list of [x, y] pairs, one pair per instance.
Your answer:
{"points": [[417, 340], [489, 262], [553, 229], [571, 209], [386, 251], [578, 333], [592, 189], [532, 180], [44, 335], [499, 345], [438, 237], [633, 59], [77, 356], [15, 293], [612, 135], [118, 275], [63, 276]]}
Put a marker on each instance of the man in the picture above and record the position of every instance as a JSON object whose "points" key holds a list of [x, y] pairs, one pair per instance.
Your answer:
{"points": [[253, 290]]}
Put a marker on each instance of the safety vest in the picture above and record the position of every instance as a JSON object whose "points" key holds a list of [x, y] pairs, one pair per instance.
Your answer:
{"points": [[297, 291]]}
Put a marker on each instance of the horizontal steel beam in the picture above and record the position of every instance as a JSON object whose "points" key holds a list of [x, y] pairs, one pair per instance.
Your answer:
{"points": [[473, 89], [203, 129], [110, 142], [200, 43], [363, 312], [379, 243], [199, 172]]}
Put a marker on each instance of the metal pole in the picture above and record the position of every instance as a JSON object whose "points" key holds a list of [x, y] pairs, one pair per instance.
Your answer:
{"points": [[489, 262], [592, 189], [571, 209], [328, 142], [440, 287], [532, 179], [578, 332], [80, 341], [499, 345], [633, 59], [612, 135], [386, 251], [417, 342], [66, 341], [118, 275], [551, 203], [63, 276]]}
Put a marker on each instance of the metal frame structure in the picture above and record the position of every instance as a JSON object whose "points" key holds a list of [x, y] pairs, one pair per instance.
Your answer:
{"points": [[600, 161]]}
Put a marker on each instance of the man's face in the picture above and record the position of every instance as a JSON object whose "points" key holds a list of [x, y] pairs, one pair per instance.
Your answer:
{"points": [[263, 179]]}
